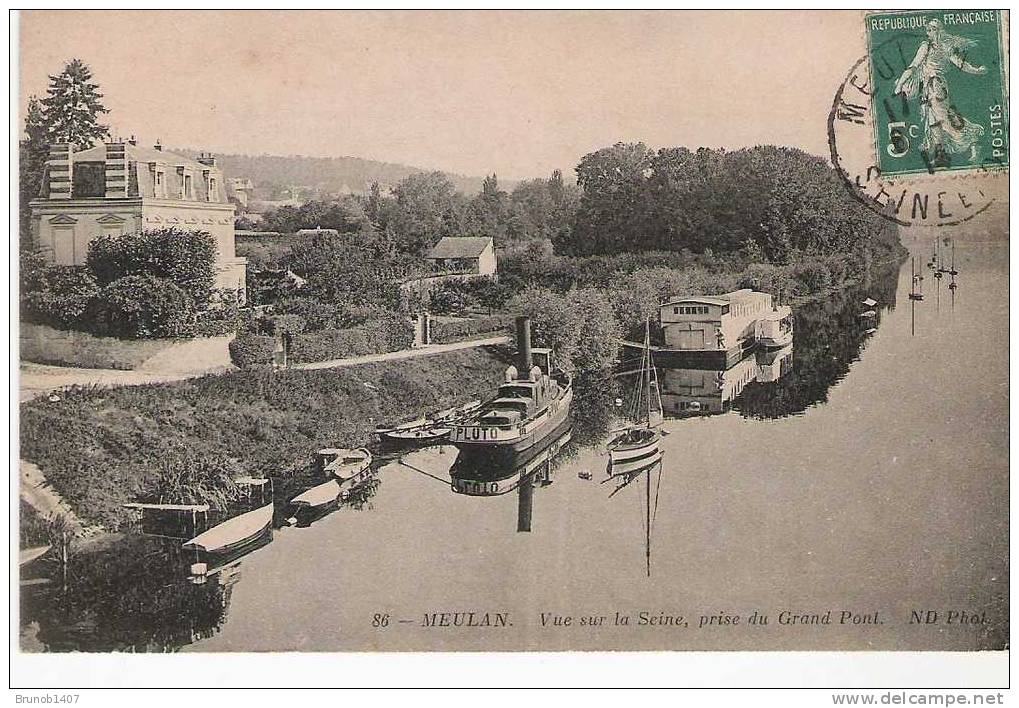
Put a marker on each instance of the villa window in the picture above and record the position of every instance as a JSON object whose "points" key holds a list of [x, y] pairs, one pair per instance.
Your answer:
{"points": [[160, 186], [210, 195], [187, 187]]}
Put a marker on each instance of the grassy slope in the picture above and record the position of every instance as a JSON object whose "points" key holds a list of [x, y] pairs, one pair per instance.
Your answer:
{"points": [[45, 345], [97, 446]]}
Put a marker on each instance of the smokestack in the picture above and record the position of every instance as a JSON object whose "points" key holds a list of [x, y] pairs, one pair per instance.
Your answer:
{"points": [[525, 504], [524, 345]]}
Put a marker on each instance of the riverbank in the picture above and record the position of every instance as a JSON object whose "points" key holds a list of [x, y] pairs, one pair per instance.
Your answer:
{"points": [[101, 447]]}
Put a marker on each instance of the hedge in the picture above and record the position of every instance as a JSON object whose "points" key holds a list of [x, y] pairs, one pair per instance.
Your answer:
{"points": [[60, 297], [442, 332], [386, 334]]}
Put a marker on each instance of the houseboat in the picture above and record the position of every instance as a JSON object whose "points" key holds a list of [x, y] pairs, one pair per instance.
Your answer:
{"points": [[719, 329], [534, 400]]}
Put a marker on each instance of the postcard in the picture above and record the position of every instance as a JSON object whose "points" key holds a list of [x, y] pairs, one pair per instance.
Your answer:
{"points": [[392, 331]]}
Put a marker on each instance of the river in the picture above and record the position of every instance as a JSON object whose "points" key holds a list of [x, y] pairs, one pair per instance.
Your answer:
{"points": [[863, 472]]}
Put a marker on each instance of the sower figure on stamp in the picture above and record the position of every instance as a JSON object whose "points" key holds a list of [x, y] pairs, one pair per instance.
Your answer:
{"points": [[946, 132]]}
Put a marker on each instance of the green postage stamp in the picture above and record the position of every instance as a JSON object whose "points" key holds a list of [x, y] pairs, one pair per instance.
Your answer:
{"points": [[939, 90]]}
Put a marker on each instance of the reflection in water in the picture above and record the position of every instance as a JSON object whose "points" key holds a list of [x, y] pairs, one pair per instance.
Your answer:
{"points": [[483, 474], [130, 594], [689, 391]]}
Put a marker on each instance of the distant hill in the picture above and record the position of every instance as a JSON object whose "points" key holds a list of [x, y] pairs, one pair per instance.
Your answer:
{"points": [[324, 174]]}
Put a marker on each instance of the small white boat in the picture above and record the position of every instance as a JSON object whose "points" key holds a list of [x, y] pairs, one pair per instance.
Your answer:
{"points": [[27, 555], [424, 433], [868, 313], [344, 463], [428, 428], [317, 496], [870, 302], [634, 450], [383, 431], [233, 532], [775, 328]]}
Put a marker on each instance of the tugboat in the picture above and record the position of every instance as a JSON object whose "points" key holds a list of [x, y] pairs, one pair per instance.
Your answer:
{"points": [[529, 406]]}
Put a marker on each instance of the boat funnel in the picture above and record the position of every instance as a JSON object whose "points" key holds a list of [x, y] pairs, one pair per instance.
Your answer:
{"points": [[524, 343]]}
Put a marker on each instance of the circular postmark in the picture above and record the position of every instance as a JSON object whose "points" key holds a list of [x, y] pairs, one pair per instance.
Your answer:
{"points": [[932, 198]]}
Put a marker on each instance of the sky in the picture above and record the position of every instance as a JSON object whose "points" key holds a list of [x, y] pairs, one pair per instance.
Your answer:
{"points": [[515, 93]]}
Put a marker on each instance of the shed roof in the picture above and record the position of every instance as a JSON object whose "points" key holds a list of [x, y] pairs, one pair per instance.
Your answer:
{"points": [[460, 247]]}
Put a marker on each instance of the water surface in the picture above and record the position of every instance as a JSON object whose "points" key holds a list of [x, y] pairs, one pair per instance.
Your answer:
{"points": [[865, 471]]}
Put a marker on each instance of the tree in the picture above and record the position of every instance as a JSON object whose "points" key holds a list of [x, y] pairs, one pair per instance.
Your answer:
{"points": [[32, 154], [612, 212], [427, 208], [73, 106]]}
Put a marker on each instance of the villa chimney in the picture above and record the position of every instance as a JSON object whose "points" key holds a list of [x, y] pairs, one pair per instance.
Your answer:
{"points": [[157, 146], [207, 159], [115, 167], [60, 171], [132, 141], [524, 344]]}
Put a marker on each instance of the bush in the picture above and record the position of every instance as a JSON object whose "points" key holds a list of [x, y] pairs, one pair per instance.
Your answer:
{"points": [[287, 324], [188, 258], [449, 299], [251, 351], [811, 278], [580, 325], [142, 307], [222, 317], [60, 296]]}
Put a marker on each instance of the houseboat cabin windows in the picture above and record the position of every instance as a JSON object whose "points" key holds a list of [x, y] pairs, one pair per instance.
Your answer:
{"points": [[691, 310]]}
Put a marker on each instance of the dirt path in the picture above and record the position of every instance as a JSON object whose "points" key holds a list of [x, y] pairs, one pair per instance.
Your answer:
{"points": [[183, 360], [427, 350]]}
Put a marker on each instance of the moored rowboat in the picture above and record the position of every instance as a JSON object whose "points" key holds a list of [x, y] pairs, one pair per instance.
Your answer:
{"points": [[233, 532], [317, 496], [344, 463]]}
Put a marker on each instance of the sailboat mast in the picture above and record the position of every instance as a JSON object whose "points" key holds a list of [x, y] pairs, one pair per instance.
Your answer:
{"points": [[647, 526], [647, 365]]}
